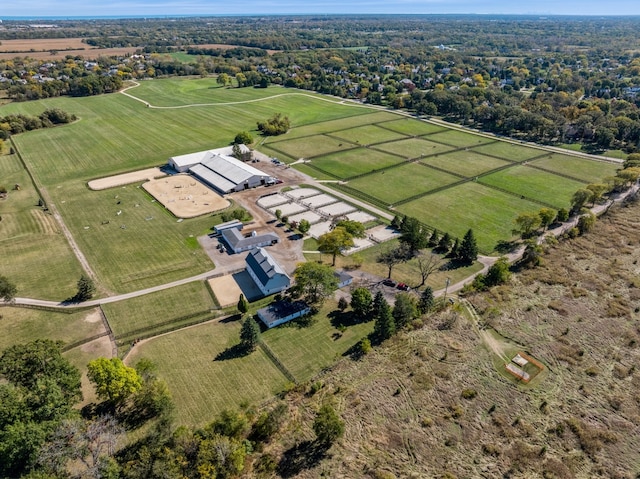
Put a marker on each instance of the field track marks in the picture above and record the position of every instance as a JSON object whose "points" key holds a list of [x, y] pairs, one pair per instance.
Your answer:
{"points": [[192, 105], [46, 223]]}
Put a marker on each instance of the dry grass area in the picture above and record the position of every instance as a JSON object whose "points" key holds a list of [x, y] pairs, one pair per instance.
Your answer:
{"points": [[43, 51], [431, 402]]}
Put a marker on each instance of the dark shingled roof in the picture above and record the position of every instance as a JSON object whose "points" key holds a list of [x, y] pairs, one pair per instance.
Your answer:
{"points": [[237, 240], [263, 265], [280, 309]]}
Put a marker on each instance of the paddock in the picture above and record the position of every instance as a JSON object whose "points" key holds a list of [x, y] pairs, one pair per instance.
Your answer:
{"points": [[125, 178], [185, 196]]}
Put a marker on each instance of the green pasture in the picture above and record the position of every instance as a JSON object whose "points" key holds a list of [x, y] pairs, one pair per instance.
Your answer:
{"points": [[413, 148], [313, 173], [352, 116], [368, 134], [183, 57], [508, 151], [466, 163], [354, 162], [590, 171], [202, 386], [142, 246], [312, 146], [21, 325], [146, 311], [36, 256], [534, 184], [306, 350], [406, 180], [411, 127], [460, 139], [489, 212]]}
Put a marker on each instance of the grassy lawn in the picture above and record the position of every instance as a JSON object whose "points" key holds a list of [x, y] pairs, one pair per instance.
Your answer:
{"points": [[305, 351], [413, 147], [591, 171], [490, 213], [353, 117], [368, 134], [460, 139], [407, 272], [47, 268], [312, 146], [402, 182], [154, 308], [355, 162], [508, 151], [534, 184], [313, 173], [21, 325], [201, 385], [465, 163], [412, 127], [141, 247]]}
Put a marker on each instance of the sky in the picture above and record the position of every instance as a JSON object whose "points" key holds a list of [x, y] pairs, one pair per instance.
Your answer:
{"points": [[96, 8]]}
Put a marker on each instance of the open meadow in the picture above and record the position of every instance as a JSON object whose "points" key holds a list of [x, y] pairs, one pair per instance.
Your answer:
{"points": [[202, 379]]}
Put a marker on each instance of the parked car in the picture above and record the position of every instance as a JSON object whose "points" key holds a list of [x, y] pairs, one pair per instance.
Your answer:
{"points": [[389, 282], [403, 287]]}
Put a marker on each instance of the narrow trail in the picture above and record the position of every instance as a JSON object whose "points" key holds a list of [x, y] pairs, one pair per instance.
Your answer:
{"points": [[486, 337]]}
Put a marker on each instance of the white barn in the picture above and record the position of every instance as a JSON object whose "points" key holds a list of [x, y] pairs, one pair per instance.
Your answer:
{"points": [[266, 272], [220, 170]]}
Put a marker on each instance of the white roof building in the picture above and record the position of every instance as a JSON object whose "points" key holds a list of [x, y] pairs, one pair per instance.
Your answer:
{"points": [[220, 170]]}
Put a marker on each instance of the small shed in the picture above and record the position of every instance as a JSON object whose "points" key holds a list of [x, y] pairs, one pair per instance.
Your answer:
{"points": [[344, 278]]}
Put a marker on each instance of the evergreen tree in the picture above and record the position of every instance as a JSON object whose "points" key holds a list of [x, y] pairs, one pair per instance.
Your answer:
{"points": [[250, 334], [468, 248], [404, 309], [328, 426], [243, 304], [426, 300], [455, 250], [86, 288], [434, 238], [444, 244], [385, 325]]}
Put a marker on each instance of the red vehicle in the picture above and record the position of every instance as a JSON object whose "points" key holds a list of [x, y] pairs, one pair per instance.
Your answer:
{"points": [[403, 287]]}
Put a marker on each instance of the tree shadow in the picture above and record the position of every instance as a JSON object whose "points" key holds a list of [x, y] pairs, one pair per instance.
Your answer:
{"points": [[504, 247], [231, 319], [343, 319], [305, 455], [234, 352]]}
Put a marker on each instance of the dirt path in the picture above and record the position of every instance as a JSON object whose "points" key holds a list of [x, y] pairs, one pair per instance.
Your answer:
{"points": [[494, 345]]}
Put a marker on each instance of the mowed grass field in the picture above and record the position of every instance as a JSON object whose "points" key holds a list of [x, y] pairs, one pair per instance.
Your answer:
{"points": [[35, 255], [21, 325], [144, 245], [306, 350], [126, 317], [202, 386]]}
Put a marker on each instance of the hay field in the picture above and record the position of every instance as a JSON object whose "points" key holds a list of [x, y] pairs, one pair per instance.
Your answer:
{"points": [[56, 49]]}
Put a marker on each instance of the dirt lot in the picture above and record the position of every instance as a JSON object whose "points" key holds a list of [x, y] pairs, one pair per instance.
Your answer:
{"points": [[125, 178], [185, 196], [226, 290], [41, 49]]}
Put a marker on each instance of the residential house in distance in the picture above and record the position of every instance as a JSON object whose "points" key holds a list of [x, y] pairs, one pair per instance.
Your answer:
{"points": [[281, 312], [266, 272]]}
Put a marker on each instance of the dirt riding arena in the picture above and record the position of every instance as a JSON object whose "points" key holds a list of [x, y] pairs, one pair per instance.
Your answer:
{"points": [[226, 290], [185, 196], [125, 178]]}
